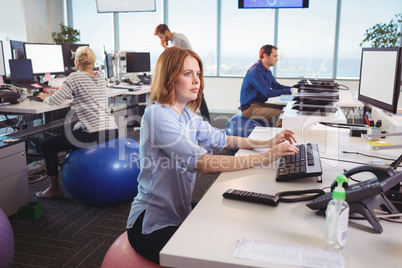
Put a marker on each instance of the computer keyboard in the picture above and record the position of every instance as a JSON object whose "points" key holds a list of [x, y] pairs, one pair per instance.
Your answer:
{"points": [[130, 87], [306, 163]]}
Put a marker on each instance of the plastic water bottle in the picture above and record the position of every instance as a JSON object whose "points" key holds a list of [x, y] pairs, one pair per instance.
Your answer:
{"points": [[337, 217]]}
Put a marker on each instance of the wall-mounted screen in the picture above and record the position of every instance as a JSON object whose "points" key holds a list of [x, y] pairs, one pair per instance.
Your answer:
{"points": [[380, 77], [46, 58], [137, 62], [125, 6], [273, 3], [2, 65]]}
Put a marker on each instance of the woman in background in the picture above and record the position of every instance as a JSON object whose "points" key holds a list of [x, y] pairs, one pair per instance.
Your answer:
{"points": [[90, 104]]}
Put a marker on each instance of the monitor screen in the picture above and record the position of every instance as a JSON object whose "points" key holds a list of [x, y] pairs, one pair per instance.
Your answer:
{"points": [[46, 58], [17, 50], [380, 75], [21, 70], [2, 65], [125, 6], [273, 3], [109, 65], [69, 54], [137, 62]]}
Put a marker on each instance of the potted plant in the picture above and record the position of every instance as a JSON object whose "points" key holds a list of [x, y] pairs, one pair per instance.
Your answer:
{"points": [[67, 35], [384, 35]]}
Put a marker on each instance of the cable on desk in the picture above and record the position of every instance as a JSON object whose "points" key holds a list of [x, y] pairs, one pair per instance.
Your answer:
{"points": [[316, 193], [374, 156], [341, 160]]}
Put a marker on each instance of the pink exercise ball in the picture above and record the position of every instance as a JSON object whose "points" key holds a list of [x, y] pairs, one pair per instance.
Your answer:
{"points": [[122, 255]]}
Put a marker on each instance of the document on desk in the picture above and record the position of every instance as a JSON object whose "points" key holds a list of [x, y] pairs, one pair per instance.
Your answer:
{"points": [[287, 254]]}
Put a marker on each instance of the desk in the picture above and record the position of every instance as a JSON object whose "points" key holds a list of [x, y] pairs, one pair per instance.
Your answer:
{"points": [[209, 235], [14, 189], [36, 107]]}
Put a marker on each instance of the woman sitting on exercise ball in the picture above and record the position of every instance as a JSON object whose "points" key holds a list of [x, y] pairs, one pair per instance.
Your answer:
{"points": [[90, 104], [172, 150]]}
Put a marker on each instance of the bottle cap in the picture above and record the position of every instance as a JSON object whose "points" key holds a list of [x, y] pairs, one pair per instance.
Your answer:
{"points": [[339, 192]]}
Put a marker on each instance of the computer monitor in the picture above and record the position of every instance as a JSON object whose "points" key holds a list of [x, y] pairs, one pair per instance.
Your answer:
{"points": [[69, 55], [137, 62], [21, 70], [380, 77], [109, 65], [17, 50], [46, 58], [2, 65]]}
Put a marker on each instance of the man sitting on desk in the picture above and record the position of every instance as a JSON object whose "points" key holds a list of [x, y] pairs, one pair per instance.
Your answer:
{"points": [[258, 85]]}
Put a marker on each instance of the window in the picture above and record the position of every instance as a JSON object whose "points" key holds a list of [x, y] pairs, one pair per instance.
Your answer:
{"points": [[196, 19], [358, 16], [96, 29], [137, 32], [244, 32], [306, 39]]}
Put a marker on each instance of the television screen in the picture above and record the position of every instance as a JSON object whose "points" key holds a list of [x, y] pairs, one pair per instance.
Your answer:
{"points": [[17, 50], [21, 70], [380, 77], [273, 3], [137, 62], [2, 65], [46, 58], [125, 6]]}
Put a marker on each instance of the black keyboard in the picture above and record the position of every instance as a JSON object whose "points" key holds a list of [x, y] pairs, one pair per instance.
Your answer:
{"points": [[306, 163]]}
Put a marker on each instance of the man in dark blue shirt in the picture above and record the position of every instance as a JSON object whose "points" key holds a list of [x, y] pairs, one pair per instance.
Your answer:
{"points": [[258, 85]]}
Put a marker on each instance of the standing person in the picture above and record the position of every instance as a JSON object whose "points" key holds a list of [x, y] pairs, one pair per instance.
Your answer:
{"points": [[179, 40], [90, 103], [173, 141], [259, 84]]}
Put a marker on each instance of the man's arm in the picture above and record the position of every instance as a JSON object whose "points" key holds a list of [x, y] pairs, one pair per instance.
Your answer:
{"points": [[267, 88]]}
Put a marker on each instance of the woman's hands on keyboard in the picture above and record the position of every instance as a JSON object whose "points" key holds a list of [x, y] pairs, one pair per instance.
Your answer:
{"points": [[284, 135], [281, 150]]}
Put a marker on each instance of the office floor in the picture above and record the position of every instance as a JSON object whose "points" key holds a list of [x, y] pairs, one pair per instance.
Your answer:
{"points": [[71, 234]]}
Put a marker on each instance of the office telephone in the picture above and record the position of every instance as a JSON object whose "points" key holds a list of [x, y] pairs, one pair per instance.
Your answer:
{"points": [[363, 197]]}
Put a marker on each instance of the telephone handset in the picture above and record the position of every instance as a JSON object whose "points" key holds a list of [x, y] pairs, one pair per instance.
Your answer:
{"points": [[380, 171], [363, 197]]}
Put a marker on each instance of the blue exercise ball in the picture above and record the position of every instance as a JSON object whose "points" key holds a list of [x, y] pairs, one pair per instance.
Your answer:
{"points": [[104, 174], [241, 126]]}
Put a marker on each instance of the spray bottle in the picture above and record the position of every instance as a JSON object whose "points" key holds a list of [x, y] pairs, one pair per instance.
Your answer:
{"points": [[337, 217]]}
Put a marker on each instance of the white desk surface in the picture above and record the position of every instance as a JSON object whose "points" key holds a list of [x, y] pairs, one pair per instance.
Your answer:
{"points": [[208, 236], [36, 107]]}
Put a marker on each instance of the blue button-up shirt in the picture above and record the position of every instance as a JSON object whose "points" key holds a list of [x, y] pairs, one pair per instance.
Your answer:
{"points": [[170, 146], [258, 85]]}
